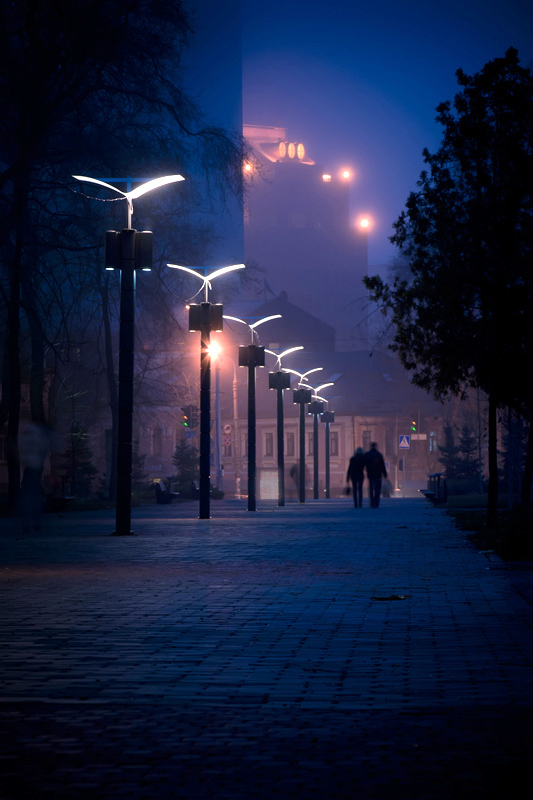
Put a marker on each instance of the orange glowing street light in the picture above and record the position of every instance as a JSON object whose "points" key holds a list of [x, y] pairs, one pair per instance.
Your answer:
{"points": [[364, 222]]}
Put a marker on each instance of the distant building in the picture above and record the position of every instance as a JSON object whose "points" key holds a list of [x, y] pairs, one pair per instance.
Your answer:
{"points": [[372, 397], [297, 228]]}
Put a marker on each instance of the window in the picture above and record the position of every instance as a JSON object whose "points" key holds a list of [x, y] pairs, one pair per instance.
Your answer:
{"points": [[269, 444], [334, 443], [310, 444], [244, 448], [289, 450], [367, 438]]}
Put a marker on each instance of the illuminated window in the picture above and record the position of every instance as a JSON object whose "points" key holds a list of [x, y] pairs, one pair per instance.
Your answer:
{"points": [[282, 149], [300, 150], [292, 150]]}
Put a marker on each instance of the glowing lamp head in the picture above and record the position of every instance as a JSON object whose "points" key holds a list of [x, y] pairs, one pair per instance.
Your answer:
{"points": [[346, 174], [214, 350], [364, 223], [326, 178]]}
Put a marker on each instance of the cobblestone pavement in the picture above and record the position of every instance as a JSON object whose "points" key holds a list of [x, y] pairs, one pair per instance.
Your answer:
{"points": [[313, 651]]}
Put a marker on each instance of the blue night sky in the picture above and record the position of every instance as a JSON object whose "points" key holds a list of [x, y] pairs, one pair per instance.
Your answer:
{"points": [[358, 83]]}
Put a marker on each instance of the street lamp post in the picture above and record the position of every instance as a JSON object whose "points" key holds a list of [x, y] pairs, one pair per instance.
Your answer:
{"points": [[279, 381], [205, 317], [252, 356], [327, 417], [127, 250], [301, 396], [316, 408]]}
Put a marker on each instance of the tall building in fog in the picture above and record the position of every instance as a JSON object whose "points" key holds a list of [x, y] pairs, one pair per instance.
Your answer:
{"points": [[297, 229]]}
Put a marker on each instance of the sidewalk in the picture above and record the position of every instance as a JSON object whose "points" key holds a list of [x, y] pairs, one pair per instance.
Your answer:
{"points": [[315, 651]]}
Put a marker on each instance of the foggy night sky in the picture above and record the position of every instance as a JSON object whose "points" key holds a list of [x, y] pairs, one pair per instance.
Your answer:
{"points": [[358, 83]]}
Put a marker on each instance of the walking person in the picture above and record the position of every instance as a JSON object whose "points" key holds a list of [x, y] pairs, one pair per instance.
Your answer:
{"points": [[375, 470], [356, 475]]}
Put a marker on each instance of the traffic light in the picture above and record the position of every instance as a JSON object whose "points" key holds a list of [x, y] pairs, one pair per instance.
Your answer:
{"points": [[413, 425], [186, 416]]}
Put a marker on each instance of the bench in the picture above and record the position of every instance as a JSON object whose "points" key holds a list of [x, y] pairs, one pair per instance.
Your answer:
{"points": [[436, 491], [164, 496]]}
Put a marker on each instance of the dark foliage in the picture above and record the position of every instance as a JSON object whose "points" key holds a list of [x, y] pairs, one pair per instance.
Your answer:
{"points": [[462, 317]]}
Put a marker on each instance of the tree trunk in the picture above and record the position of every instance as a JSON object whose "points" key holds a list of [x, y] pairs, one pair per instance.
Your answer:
{"points": [[111, 386], [492, 507], [4, 401], [13, 330], [528, 469], [37, 353]]}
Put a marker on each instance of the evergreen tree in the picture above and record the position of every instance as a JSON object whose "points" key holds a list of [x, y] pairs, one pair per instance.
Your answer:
{"points": [[468, 462], [450, 458], [186, 461]]}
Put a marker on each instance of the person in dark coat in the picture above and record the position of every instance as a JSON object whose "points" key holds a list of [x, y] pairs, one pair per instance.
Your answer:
{"points": [[356, 475], [375, 470]]}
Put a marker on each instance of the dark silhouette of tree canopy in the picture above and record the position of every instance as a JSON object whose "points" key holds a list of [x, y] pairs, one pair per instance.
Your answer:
{"points": [[90, 87], [462, 317]]}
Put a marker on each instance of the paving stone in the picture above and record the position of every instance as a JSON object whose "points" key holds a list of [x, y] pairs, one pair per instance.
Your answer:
{"points": [[248, 656]]}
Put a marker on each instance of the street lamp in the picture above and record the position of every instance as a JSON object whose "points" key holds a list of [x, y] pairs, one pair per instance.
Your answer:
{"points": [[127, 250], [327, 417], [252, 356], [280, 380], [301, 396], [205, 317], [316, 407]]}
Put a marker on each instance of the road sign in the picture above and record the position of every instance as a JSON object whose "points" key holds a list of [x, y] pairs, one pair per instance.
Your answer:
{"points": [[227, 441], [404, 442], [227, 428]]}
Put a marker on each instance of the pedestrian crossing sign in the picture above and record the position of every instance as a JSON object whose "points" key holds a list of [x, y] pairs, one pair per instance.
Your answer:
{"points": [[405, 442]]}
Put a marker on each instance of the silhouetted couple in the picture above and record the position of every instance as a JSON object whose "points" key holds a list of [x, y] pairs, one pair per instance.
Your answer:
{"points": [[374, 464]]}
